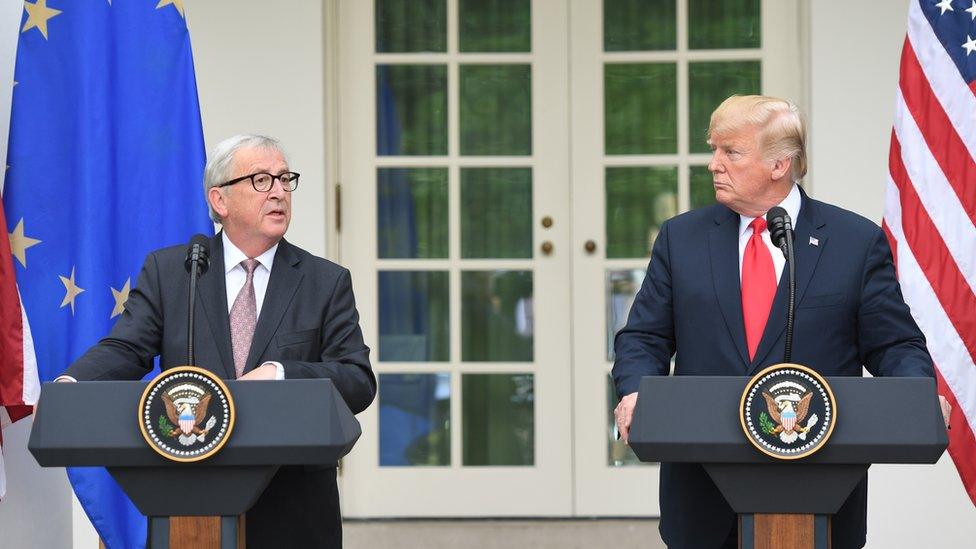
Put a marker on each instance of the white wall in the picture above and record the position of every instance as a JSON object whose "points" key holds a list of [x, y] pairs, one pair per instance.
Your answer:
{"points": [[854, 56], [260, 69]]}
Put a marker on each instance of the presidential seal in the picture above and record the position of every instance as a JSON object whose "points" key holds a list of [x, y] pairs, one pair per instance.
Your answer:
{"points": [[186, 414], [787, 411]]}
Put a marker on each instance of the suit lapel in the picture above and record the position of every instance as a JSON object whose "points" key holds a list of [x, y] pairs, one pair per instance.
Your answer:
{"points": [[212, 294], [723, 244], [806, 255], [284, 281]]}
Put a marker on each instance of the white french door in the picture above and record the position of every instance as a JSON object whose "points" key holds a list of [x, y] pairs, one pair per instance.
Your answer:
{"points": [[453, 138], [504, 166]]}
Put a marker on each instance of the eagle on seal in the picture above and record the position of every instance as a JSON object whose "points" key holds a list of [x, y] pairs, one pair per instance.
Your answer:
{"points": [[789, 418], [186, 418]]}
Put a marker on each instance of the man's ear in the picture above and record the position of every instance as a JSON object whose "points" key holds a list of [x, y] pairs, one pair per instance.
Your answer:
{"points": [[782, 168], [217, 201]]}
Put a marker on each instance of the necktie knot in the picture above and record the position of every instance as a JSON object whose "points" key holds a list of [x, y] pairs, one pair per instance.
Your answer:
{"points": [[250, 265], [758, 225]]}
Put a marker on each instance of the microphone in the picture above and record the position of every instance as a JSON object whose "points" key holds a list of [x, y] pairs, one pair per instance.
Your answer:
{"points": [[197, 262], [781, 233], [198, 253], [780, 228]]}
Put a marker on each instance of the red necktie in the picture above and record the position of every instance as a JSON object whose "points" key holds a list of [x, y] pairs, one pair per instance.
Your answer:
{"points": [[758, 285]]}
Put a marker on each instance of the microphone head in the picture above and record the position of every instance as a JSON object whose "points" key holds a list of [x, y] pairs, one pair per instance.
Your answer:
{"points": [[198, 251], [778, 222]]}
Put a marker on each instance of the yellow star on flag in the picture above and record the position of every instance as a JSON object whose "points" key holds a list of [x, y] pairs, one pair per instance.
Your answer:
{"points": [[19, 243], [71, 291], [178, 4], [121, 296], [37, 16]]}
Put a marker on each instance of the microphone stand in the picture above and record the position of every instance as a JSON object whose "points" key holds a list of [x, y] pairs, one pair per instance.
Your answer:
{"points": [[194, 272], [791, 309], [781, 233]]}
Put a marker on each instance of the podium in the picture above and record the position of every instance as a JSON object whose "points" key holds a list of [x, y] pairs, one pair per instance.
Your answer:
{"points": [[879, 420], [200, 504]]}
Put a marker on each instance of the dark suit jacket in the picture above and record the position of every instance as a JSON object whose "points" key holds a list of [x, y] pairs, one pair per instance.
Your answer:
{"points": [[850, 313], [308, 323]]}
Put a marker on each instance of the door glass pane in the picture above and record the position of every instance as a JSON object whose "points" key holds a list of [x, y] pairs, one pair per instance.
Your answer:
{"points": [[498, 426], [718, 24], [411, 110], [709, 83], [494, 25], [618, 453], [622, 286], [414, 317], [411, 213], [415, 419], [640, 108], [496, 316], [635, 25], [496, 212], [496, 110], [411, 26], [639, 200], [702, 190]]}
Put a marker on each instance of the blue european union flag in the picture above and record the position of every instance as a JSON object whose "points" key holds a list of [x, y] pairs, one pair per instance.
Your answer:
{"points": [[105, 164]]}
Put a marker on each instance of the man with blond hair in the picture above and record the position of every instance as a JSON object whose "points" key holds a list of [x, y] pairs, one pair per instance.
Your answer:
{"points": [[714, 299]]}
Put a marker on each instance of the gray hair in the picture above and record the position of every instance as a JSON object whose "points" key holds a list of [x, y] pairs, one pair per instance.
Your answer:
{"points": [[220, 165]]}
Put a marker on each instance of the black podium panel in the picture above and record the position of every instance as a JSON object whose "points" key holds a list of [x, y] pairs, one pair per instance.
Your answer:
{"points": [[194, 491], [288, 422], [696, 419]]}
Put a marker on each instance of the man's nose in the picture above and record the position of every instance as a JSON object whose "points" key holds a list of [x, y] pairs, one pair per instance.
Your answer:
{"points": [[713, 164], [277, 189]]}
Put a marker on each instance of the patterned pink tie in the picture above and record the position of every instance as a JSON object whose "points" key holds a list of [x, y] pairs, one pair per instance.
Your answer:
{"points": [[243, 318]]}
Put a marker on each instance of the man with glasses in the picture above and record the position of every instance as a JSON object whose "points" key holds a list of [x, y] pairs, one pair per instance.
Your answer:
{"points": [[266, 309]]}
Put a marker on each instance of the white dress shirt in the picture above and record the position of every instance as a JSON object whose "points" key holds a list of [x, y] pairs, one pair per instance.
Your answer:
{"points": [[236, 276], [792, 206]]}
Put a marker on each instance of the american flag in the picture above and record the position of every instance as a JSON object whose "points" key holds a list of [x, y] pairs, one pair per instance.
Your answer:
{"points": [[19, 385], [930, 203]]}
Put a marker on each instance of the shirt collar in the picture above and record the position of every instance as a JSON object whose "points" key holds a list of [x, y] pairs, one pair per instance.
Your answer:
{"points": [[791, 204], [233, 255]]}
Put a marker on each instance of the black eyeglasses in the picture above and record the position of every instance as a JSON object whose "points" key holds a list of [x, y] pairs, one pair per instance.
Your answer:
{"points": [[263, 181]]}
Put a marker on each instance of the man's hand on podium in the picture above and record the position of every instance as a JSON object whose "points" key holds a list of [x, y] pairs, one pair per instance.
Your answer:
{"points": [[946, 409], [266, 371], [624, 413]]}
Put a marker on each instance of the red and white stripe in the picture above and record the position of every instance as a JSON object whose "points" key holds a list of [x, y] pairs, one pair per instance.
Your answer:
{"points": [[930, 220], [19, 384]]}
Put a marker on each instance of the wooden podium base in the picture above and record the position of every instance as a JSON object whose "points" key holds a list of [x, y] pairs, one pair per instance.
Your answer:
{"points": [[196, 532], [775, 531]]}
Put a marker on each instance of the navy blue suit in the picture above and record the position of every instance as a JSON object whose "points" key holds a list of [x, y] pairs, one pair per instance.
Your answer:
{"points": [[850, 313]]}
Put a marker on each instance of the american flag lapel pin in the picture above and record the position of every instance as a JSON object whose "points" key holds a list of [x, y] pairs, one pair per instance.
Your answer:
{"points": [[814, 241]]}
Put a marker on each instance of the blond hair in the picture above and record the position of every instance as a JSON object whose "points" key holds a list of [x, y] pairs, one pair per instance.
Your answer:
{"points": [[781, 130]]}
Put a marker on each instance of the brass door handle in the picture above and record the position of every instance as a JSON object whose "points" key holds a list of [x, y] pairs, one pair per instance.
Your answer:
{"points": [[589, 246], [546, 247]]}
